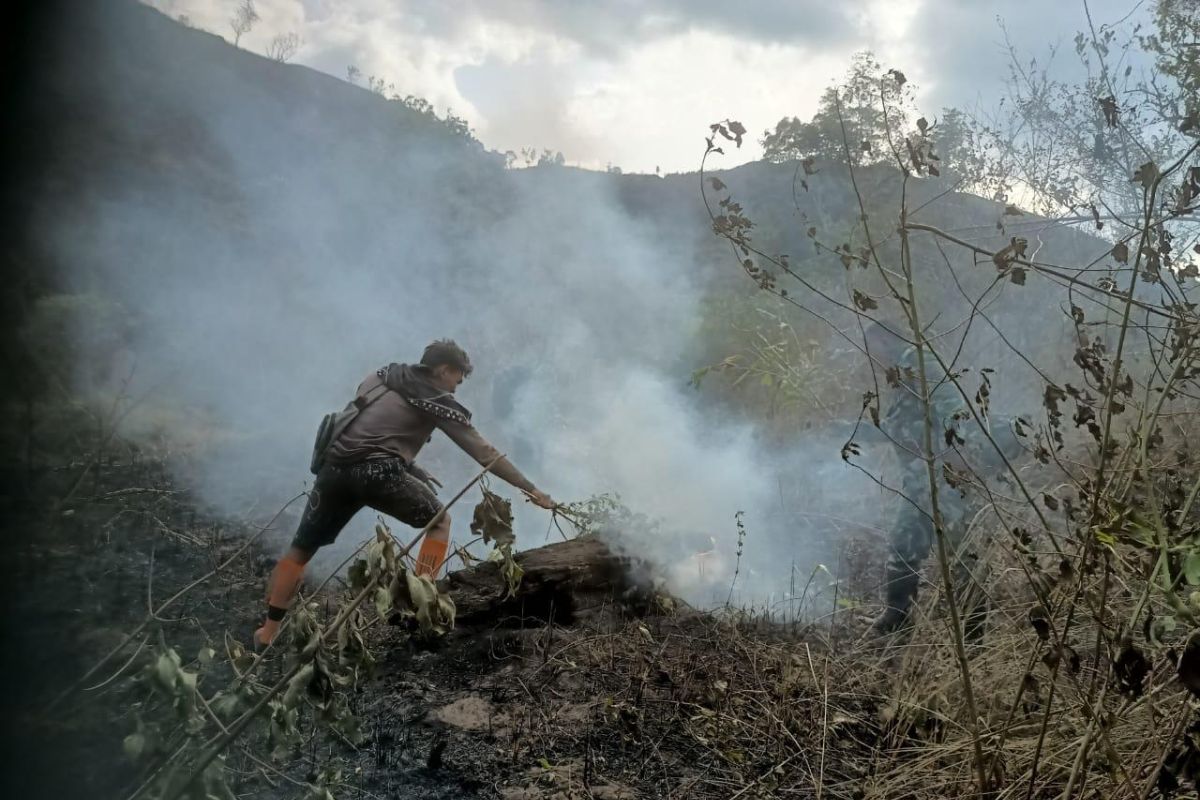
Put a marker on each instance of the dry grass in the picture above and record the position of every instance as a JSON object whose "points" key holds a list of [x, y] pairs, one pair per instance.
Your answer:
{"points": [[694, 705]]}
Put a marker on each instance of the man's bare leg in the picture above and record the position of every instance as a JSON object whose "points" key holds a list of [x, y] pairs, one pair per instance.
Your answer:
{"points": [[289, 572], [285, 580]]}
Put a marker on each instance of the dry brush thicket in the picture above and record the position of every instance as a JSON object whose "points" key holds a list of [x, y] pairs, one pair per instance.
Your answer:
{"points": [[1085, 546]]}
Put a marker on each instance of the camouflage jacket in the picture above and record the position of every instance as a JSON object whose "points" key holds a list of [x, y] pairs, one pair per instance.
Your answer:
{"points": [[957, 439]]}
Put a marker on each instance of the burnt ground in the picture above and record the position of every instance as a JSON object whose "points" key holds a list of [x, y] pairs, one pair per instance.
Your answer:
{"points": [[585, 685], [81, 558], [625, 694]]}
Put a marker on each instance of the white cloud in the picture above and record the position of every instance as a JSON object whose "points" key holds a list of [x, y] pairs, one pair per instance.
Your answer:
{"points": [[653, 107], [605, 85]]}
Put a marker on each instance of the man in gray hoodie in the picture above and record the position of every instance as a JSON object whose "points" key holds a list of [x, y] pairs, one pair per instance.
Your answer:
{"points": [[373, 463]]}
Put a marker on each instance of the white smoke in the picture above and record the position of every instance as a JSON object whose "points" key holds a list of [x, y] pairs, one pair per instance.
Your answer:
{"points": [[276, 234]]}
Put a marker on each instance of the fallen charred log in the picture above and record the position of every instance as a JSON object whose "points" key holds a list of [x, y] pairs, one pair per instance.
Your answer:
{"points": [[562, 583]]}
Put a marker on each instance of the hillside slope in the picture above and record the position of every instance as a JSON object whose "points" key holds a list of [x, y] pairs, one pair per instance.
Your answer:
{"points": [[236, 242]]}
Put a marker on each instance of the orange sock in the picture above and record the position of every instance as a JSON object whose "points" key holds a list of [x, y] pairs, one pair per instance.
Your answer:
{"points": [[433, 553]]}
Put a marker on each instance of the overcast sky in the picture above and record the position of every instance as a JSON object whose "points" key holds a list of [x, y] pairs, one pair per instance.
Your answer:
{"points": [[635, 84]]}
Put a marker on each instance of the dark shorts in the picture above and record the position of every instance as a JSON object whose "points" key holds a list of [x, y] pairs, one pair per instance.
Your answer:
{"points": [[384, 484]]}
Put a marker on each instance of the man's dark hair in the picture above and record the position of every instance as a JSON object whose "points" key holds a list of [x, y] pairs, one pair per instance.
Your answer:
{"points": [[446, 351]]}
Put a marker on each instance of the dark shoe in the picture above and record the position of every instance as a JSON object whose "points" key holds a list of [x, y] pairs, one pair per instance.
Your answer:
{"points": [[891, 620]]}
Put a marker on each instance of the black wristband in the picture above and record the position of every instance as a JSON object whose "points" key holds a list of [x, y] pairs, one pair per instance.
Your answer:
{"points": [[275, 613]]}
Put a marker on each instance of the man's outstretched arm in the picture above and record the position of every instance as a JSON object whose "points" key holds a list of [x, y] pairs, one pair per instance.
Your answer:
{"points": [[480, 449]]}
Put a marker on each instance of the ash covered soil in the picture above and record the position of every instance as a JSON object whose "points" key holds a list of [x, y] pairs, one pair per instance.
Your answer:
{"points": [[585, 684], [85, 548]]}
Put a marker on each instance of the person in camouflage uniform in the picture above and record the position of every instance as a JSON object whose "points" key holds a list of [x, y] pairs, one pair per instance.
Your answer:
{"points": [[903, 421]]}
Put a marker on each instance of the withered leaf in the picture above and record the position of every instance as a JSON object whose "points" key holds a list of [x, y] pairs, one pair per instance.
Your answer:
{"points": [[955, 479], [717, 184], [1040, 623], [864, 302], [493, 519], [1015, 249], [1131, 669], [1051, 398], [1108, 105], [1073, 661], [1065, 570], [847, 258], [1146, 175], [1120, 252], [984, 393]]}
